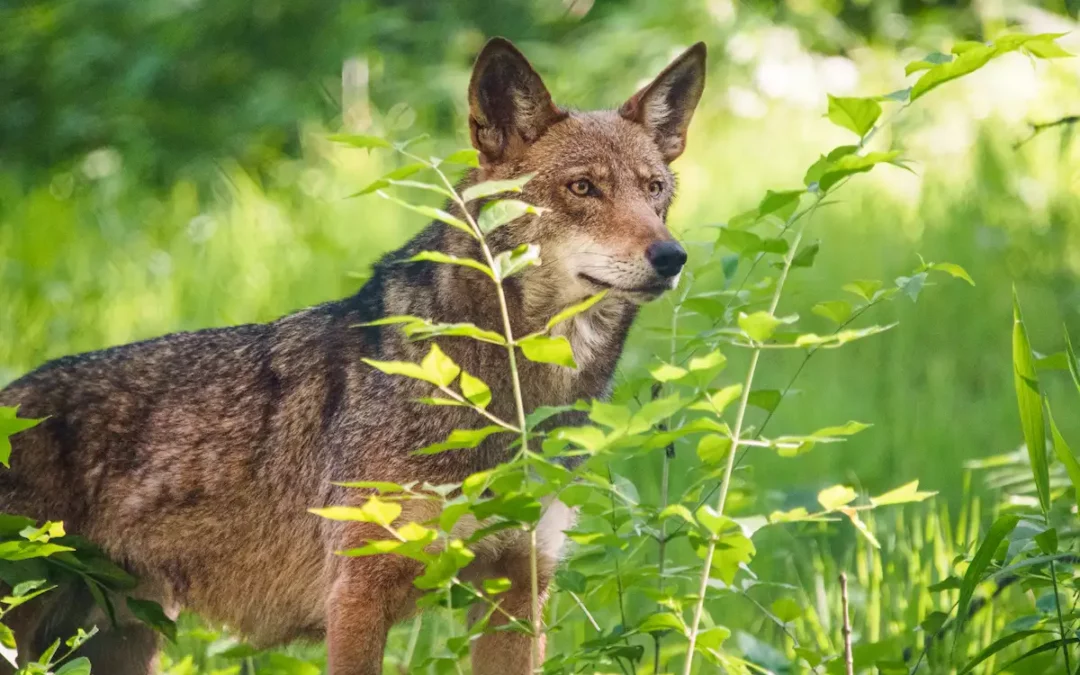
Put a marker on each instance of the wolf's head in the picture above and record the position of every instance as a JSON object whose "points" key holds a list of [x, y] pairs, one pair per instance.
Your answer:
{"points": [[602, 176]]}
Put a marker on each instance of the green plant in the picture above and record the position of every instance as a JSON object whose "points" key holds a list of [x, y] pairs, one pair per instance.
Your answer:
{"points": [[681, 403]]}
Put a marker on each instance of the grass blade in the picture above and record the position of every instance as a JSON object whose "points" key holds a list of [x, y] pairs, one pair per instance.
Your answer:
{"points": [[1029, 400], [998, 531]]}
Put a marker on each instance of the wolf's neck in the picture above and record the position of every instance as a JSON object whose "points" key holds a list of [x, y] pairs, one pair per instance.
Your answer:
{"points": [[448, 293]]}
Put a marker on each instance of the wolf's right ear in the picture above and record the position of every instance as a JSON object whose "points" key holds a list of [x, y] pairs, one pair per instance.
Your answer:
{"points": [[509, 106]]}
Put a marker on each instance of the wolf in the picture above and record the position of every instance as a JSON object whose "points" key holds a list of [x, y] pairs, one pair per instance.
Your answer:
{"points": [[192, 459]]}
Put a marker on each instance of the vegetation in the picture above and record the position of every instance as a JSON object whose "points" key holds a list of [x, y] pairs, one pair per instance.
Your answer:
{"points": [[708, 539]]}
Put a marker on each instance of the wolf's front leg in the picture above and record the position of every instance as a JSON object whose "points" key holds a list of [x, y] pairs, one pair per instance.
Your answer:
{"points": [[369, 596], [508, 652]]}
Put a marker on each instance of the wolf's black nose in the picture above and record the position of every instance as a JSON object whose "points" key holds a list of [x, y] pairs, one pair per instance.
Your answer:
{"points": [[666, 257]]}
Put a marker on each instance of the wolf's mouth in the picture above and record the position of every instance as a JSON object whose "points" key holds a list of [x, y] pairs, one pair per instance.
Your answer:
{"points": [[650, 290]]}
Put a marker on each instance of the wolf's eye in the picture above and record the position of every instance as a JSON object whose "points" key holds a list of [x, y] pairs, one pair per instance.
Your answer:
{"points": [[582, 188], [656, 187]]}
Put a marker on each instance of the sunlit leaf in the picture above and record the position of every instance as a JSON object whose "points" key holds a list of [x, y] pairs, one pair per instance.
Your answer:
{"points": [[386, 179], [716, 401], [1029, 399], [460, 439], [902, 495], [360, 141], [494, 187], [445, 258], [468, 157], [786, 609], [713, 448], [374, 510], [509, 263], [759, 326], [575, 309], [1065, 456], [430, 212], [11, 424], [856, 114], [548, 349], [661, 621], [837, 311], [836, 496], [665, 372], [499, 213], [475, 390]]}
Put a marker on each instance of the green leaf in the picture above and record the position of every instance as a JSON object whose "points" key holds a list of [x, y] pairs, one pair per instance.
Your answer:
{"points": [[965, 63], [711, 360], [782, 203], [927, 62], [997, 646], [786, 609], [81, 665], [1074, 364], [1026, 380], [861, 527], [467, 157], [912, 286], [152, 615], [856, 114], [11, 424], [864, 288], [839, 338], [421, 329], [547, 349], [665, 372], [946, 584], [1047, 541], [985, 553], [1046, 48], [460, 439], [499, 213], [430, 212], [660, 622], [447, 259], [677, 511], [766, 399], [439, 367], [712, 639], [387, 179], [384, 487], [836, 496], [509, 263], [849, 165], [847, 429], [496, 586], [374, 510], [759, 326], [475, 390], [1065, 455], [718, 400], [574, 310], [713, 448], [570, 580], [933, 622], [953, 270], [806, 256], [905, 494], [837, 311], [360, 141], [494, 187]]}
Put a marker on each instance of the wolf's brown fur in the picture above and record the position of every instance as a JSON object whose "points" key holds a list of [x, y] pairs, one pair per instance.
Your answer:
{"points": [[192, 458]]}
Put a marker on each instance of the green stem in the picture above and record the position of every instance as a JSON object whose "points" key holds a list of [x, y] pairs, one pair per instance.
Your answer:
{"points": [[736, 439], [519, 404]]}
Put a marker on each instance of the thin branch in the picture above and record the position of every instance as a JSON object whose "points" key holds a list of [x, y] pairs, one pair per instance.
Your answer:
{"points": [[849, 662], [1037, 129]]}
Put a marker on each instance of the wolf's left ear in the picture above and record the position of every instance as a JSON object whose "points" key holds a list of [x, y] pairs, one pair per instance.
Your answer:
{"points": [[509, 106], [666, 105]]}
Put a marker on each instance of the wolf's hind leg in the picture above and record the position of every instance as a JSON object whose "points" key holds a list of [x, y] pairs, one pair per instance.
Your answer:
{"points": [[123, 650]]}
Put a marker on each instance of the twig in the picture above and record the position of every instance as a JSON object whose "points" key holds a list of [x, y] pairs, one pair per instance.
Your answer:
{"points": [[1037, 129], [849, 662]]}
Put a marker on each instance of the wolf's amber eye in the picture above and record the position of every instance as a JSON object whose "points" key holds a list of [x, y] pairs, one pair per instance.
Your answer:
{"points": [[656, 187], [582, 188]]}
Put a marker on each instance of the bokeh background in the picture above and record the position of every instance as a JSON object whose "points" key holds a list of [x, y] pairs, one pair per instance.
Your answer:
{"points": [[164, 167]]}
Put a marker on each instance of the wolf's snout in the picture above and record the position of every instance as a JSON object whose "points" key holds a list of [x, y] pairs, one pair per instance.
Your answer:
{"points": [[666, 257]]}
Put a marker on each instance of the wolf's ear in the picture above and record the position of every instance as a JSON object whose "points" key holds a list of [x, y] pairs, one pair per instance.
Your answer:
{"points": [[666, 104], [509, 106]]}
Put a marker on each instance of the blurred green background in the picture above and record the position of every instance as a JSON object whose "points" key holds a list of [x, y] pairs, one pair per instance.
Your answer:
{"points": [[163, 167]]}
